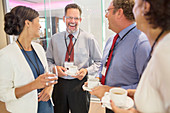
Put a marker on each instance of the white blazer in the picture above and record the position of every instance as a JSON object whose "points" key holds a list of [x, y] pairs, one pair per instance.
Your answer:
{"points": [[16, 72]]}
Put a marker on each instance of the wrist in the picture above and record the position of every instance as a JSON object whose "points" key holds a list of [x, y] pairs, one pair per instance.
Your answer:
{"points": [[33, 85]]}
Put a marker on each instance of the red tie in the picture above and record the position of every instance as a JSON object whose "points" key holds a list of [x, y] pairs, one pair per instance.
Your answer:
{"points": [[109, 59], [70, 50]]}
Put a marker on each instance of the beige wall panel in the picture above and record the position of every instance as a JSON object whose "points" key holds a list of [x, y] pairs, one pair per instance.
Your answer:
{"points": [[3, 41]]}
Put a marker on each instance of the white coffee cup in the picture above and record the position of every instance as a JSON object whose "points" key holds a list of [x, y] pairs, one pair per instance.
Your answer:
{"points": [[73, 70], [93, 82], [118, 96], [52, 78], [68, 64], [51, 71]]}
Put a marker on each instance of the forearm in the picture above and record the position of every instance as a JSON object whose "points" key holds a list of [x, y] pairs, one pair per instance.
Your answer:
{"points": [[21, 91]]}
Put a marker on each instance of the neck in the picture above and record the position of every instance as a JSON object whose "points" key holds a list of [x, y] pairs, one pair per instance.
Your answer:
{"points": [[125, 25], [25, 42], [152, 34]]}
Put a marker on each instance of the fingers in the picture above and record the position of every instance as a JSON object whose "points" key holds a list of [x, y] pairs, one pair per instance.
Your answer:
{"points": [[82, 71], [81, 74], [131, 93], [43, 96], [48, 77], [62, 68], [61, 71], [93, 92], [116, 109], [86, 84], [45, 80], [119, 110], [78, 77], [113, 106]]}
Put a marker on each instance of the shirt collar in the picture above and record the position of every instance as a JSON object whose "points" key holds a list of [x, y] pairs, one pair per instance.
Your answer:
{"points": [[124, 31], [75, 34]]}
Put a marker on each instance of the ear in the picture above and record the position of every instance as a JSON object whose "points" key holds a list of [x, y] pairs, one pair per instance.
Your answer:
{"points": [[64, 19], [146, 7], [119, 13], [27, 23], [80, 19]]}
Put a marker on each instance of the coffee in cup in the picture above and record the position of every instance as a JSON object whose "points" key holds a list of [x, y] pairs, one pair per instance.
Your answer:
{"points": [[118, 96]]}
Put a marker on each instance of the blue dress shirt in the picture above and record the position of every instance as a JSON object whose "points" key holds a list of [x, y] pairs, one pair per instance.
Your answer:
{"points": [[128, 59]]}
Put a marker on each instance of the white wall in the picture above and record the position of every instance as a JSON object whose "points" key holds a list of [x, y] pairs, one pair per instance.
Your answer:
{"points": [[93, 20]]}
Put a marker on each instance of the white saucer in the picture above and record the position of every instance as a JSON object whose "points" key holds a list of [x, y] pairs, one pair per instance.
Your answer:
{"points": [[71, 74], [86, 88], [106, 102]]}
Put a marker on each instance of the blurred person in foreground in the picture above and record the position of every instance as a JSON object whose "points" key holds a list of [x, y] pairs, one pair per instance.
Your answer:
{"points": [[24, 87], [153, 94]]}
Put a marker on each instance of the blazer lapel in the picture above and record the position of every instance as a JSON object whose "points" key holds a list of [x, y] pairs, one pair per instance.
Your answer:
{"points": [[39, 54], [22, 60]]}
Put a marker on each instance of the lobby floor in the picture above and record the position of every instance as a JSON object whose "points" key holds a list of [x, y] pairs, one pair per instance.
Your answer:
{"points": [[96, 108]]}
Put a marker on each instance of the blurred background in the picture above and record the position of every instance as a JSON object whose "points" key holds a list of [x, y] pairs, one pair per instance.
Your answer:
{"points": [[51, 14]]}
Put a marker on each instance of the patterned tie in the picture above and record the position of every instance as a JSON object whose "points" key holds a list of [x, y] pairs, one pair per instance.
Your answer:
{"points": [[70, 50], [109, 59]]}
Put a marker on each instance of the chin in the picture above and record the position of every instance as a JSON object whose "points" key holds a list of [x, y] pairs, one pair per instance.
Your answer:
{"points": [[38, 36], [71, 31]]}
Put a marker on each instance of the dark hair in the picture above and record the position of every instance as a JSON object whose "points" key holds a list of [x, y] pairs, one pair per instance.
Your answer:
{"points": [[15, 19], [126, 5], [75, 6], [159, 14]]}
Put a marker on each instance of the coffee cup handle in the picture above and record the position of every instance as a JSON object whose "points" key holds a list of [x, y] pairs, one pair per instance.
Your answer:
{"points": [[106, 93]]}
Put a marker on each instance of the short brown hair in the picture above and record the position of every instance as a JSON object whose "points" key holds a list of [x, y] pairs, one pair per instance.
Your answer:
{"points": [[159, 14], [74, 6], [126, 5]]}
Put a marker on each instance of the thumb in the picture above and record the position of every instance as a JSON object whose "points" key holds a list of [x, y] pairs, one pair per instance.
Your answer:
{"points": [[112, 105]]}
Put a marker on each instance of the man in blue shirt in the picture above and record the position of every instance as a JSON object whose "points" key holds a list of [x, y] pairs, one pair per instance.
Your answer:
{"points": [[130, 52]]}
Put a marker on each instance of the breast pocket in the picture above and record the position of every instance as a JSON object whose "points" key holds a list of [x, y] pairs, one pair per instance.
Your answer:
{"points": [[81, 55]]}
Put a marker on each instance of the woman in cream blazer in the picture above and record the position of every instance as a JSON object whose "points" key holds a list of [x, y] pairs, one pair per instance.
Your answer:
{"points": [[15, 72], [18, 86]]}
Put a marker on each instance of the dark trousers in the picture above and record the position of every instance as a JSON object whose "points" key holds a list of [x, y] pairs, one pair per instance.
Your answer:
{"points": [[109, 111], [68, 94]]}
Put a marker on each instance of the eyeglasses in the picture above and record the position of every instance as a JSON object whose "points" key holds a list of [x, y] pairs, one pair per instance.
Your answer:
{"points": [[107, 10], [70, 18]]}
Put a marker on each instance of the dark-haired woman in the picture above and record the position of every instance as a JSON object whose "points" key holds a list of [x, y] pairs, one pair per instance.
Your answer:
{"points": [[153, 92], [24, 87]]}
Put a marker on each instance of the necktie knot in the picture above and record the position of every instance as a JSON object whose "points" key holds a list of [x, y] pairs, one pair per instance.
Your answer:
{"points": [[70, 36]]}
